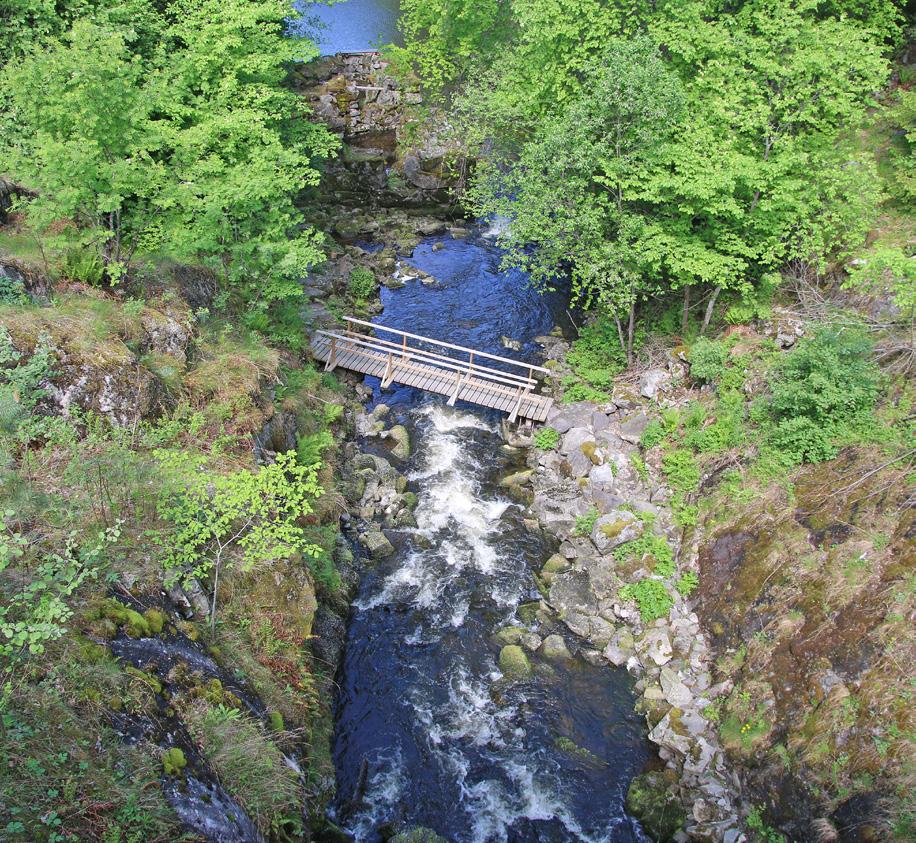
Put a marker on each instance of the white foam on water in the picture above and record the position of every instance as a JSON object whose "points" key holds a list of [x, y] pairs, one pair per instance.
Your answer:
{"points": [[384, 788], [445, 419], [499, 225]]}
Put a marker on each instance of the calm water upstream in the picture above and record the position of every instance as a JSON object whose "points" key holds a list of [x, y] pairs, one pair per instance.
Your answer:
{"points": [[427, 733], [350, 25]]}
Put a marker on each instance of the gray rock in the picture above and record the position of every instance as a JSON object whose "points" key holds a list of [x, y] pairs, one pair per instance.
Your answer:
{"points": [[599, 421], [656, 646], [377, 544], [602, 474], [401, 438], [675, 691], [652, 381], [571, 591], [579, 464], [614, 529], [554, 647], [633, 427], [575, 438]]}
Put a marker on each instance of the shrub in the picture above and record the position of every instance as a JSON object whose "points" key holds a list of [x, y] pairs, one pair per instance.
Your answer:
{"points": [[84, 265], [651, 596], [547, 439], [687, 583], [586, 523], [653, 434], [362, 283], [707, 360], [596, 356], [820, 391], [649, 544], [575, 390]]}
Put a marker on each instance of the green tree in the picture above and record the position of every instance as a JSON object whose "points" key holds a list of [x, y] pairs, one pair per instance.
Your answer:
{"points": [[239, 148], [245, 518], [578, 188], [86, 141]]}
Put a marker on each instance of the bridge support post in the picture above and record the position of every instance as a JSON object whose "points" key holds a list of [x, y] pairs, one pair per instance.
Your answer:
{"points": [[332, 357]]}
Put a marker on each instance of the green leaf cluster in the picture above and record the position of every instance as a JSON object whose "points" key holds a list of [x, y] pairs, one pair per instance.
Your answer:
{"points": [[167, 128], [821, 391]]}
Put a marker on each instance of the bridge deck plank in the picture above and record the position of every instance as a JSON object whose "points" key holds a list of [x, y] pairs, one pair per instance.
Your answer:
{"points": [[473, 390]]}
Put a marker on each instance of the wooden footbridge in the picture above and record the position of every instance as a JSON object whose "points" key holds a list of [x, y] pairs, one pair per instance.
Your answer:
{"points": [[434, 366]]}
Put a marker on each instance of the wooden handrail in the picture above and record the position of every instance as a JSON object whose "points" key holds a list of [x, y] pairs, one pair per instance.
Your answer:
{"points": [[470, 366], [465, 349], [431, 358]]}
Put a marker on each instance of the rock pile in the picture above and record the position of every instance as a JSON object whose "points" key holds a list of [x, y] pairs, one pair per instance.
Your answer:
{"points": [[589, 493]]}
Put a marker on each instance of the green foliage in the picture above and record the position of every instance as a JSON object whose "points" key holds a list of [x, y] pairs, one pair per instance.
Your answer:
{"points": [[254, 514], [362, 283], [575, 390], [83, 265], [707, 360], [173, 133], [596, 356], [887, 271], [309, 448], [687, 583], [37, 611], [821, 391], [763, 832], [651, 596], [681, 470], [650, 545], [249, 764], [639, 465], [586, 523], [547, 439]]}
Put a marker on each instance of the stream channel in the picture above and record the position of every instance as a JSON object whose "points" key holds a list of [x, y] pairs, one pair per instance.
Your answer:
{"points": [[428, 731]]}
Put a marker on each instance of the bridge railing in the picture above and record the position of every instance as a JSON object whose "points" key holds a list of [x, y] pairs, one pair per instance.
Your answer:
{"points": [[448, 355]]}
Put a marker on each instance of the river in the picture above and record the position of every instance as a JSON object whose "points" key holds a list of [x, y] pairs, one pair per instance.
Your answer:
{"points": [[428, 732], [349, 26]]}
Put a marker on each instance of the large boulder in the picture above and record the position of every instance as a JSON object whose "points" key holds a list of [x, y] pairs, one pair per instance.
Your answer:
{"points": [[652, 381], [615, 528], [514, 663], [652, 798], [376, 544], [575, 438], [632, 428]]}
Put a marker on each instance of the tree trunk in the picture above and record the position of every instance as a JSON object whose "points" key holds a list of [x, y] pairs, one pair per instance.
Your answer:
{"points": [[620, 336], [686, 314], [710, 306], [630, 330], [215, 592]]}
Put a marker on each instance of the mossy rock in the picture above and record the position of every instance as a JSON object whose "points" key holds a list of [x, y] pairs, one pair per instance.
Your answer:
{"points": [[131, 622], [553, 566], [514, 663], [511, 634], [173, 761], [276, 721], [155, 619], [401, 438], [570, 747], [410, 500], [589, 448], [191, 632], [528, 612], [652, 799]]}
